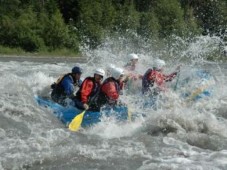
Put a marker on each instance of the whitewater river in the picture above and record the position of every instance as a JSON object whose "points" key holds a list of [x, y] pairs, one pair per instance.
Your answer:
{"points": [[177, 136]]}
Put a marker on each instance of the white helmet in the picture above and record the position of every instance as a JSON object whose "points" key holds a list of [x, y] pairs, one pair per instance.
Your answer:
{"points": [[159, 64], [110, 67], [117, 72], [100, 72], [133, 56]]}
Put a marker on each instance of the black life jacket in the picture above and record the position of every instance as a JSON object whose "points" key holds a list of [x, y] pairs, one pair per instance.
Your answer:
{"points": [[60, 79], [57, 87]]}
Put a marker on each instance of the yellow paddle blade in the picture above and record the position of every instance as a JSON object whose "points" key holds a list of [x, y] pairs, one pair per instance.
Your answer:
{"points": [[129, 115], [197, 92], [76, 122]]}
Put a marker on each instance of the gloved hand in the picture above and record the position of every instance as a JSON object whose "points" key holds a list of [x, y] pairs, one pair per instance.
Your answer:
{"points": [[53, 86], [86, 107]]}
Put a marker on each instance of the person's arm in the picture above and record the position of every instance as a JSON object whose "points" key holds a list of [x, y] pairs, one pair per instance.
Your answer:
{"points": [[68, 86], [173, 75], [86, 90], [170, 77]]}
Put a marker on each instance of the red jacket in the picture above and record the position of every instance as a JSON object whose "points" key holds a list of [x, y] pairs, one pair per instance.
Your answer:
{"points": [[88, 89], [111, 88], [159, 78]]}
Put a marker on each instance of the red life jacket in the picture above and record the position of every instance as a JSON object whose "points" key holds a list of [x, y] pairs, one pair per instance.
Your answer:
{"points": [[154, 77], [111, 88], [88, 90], [158, 78], [109, 92]]}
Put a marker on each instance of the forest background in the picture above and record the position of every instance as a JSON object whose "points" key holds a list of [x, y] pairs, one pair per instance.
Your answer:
{"points": [[62, 27]]}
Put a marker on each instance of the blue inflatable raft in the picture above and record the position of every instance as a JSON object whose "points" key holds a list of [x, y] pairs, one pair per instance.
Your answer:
{"points": [[66, 114], [197, 86]]}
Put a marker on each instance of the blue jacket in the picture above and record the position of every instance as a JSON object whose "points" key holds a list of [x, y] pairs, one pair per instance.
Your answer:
{"points": [[64, 87], [68, 85]]}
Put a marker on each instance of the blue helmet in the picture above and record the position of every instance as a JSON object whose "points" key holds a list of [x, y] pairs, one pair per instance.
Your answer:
{"points": [[76, 70]]}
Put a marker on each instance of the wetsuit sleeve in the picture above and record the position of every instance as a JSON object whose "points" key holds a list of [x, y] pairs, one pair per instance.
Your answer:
{"points": [[110, 90], [86, 90], [67, 84], [170, 77]]}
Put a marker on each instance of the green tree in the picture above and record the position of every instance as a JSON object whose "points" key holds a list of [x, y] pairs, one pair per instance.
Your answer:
{"points": [[192, 26], [109, 15], [21, 31], [149, 25], [170, 17], [9, 8], [145, 5], [56, 33], [70, 10], [127, 17], [210, 14], [89, 23], [26, 31]]}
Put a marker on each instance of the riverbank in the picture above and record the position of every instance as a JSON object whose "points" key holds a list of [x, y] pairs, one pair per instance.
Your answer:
{"points": [[42, 59], [61, 55]]}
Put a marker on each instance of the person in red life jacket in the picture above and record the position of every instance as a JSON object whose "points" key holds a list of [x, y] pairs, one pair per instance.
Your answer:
{"points": [[153, 81], [65, 86], [88, 91], [111, 88]]}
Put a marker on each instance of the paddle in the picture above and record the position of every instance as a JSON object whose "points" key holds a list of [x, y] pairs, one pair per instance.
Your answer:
{"points": [[129, 115], [175, 87], [76, 122], [197, 92], [178, 77]]}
